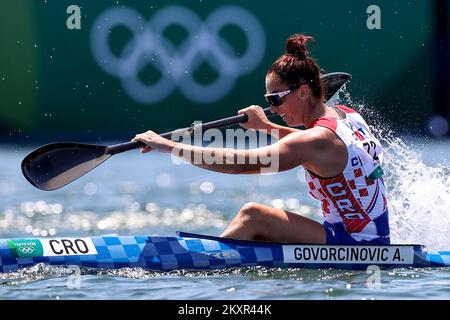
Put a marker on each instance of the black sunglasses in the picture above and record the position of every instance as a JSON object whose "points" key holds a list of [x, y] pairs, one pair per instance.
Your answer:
{"points": [[276, 99]]}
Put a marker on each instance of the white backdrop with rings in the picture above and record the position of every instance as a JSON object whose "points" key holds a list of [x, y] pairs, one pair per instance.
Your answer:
{"points": [[177, 65]]}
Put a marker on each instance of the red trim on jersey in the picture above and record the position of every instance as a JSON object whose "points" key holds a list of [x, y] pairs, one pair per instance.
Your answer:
{"points": [[375, 196], [330, 123], [312, 195], [384, 203], [346, 109]]}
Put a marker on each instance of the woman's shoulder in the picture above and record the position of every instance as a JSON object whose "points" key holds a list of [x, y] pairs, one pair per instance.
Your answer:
{"points": [[327, 122], [346, 109]]}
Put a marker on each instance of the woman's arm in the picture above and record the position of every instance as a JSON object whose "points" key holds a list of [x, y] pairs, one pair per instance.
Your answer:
{"points": [[227, 160], [287, 153], [280, 132]]}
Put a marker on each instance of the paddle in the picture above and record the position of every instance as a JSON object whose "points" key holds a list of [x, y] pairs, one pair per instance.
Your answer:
{"points": [[54, 165]]}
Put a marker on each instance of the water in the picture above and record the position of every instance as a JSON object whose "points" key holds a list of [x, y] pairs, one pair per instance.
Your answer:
{"points": [[134, 194]]}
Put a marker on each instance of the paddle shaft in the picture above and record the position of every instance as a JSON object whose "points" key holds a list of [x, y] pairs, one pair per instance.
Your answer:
{"points": [[217, 124]]}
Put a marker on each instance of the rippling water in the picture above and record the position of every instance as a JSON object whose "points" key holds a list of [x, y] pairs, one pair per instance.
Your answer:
{"points": [[134, 194]]}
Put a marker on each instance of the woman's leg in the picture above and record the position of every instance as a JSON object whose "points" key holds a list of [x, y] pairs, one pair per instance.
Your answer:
{"points": [[255, 221]]}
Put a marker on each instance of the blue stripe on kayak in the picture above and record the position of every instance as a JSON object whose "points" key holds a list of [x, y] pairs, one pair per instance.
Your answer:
{"points": [[435, 259], [205, 252]]}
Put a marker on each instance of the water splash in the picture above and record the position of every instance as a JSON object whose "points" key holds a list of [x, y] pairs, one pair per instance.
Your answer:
{"points": [[418, 194], [37, 272]]}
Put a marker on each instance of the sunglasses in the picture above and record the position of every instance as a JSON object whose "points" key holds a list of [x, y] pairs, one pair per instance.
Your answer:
{"points": [[276, 99]]}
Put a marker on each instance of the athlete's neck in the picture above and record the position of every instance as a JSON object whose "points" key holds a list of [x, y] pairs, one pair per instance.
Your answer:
{"points": [[317, 111]]}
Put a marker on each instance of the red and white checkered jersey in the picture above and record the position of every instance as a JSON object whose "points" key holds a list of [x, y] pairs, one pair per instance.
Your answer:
{"points": [[352, 198]]}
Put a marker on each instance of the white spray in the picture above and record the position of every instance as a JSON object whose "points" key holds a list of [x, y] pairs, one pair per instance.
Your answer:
{"points": [[418, 194]]}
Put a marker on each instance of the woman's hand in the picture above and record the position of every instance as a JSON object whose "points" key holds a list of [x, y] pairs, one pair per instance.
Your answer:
{"points": [[257, 119], [154, 141]]}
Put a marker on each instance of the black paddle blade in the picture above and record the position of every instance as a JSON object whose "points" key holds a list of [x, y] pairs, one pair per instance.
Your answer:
{"points": [[54, 165], [332, 82]]}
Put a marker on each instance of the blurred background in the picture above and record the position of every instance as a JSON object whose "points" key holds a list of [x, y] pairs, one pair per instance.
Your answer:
{"points": [[160, 65]]}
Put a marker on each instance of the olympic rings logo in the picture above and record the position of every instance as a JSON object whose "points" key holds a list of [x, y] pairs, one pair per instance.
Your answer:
{"points": [[27, 250], [177, 65]]}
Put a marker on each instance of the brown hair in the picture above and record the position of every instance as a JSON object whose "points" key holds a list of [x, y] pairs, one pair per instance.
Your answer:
{"points": [[296, 67]]}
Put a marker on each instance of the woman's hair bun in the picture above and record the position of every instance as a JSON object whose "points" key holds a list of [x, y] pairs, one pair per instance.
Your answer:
{"points": [[296, 45]]}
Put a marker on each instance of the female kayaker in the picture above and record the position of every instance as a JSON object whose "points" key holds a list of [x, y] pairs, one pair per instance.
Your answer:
{"points": [[341, 157]]}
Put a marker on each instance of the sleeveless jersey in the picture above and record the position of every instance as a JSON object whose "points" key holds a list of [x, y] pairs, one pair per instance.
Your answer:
{"points": [[357, 196]]}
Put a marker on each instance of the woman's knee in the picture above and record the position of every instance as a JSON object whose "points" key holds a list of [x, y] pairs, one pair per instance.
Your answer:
{"points": [[251, 211]]}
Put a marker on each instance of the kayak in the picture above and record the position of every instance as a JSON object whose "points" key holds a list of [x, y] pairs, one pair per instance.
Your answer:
{"points": [[190, 251]]}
